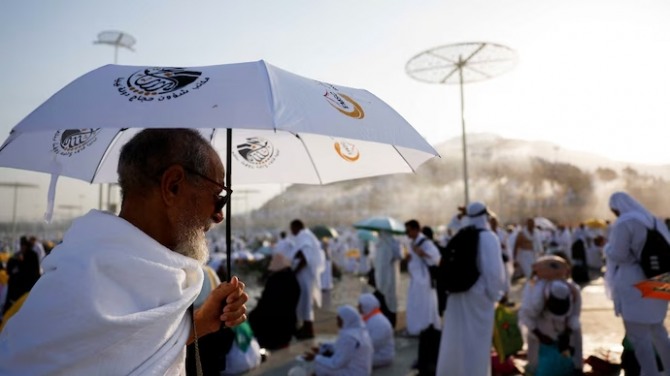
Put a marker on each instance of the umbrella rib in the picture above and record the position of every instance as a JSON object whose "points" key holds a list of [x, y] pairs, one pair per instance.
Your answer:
{"points": [[272, 94], [318, 176], [104, 156], [9, 139], [403, 158]]}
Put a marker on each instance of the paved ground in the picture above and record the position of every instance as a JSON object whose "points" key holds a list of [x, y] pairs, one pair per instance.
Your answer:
{"points": [[602, 331]]}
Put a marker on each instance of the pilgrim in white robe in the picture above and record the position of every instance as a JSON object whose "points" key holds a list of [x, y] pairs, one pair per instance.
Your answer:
{"points": [[379, 329], [367, 255], [284, 246], [387, 268], [422, 310], [309, 277], [508, 266], [465, 346], [534, 315], [245, 352], [351, 352], [111, 301], [564, 241], [326, 276], [525, 255], [642, 317]]}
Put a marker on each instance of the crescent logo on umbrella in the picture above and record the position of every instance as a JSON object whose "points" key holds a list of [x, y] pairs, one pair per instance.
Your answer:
{"points": [[347, 151], [256, 152], [159, 84], [72, 141], [342, 102]]}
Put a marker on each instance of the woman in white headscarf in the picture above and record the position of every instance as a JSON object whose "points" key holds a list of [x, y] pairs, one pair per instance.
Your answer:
{"points": [[465, 347], [642, 317], [379, 329], [351, 354]]}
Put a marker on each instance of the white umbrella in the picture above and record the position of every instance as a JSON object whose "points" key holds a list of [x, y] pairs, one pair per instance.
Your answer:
{"points": [[544, 223], [381, 224], [253, 95], [258, 156], [288, 128]]}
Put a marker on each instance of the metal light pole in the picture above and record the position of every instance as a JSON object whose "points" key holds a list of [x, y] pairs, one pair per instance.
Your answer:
{"points": [[461, 63], [116, 39], [16, 187]]}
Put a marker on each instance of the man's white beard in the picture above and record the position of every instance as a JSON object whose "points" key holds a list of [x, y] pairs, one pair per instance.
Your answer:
{"points": [[191, 240]]}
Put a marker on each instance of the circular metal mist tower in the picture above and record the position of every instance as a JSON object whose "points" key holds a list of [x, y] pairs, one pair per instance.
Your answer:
{"points": [[461, 63]]}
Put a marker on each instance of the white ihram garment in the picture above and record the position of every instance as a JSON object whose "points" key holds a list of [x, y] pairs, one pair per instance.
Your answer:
{"points": [[352, 351], [309, 277], [643, 317], [465, 346], [284, 247], [112, 301], [421, 297], [386, 262], [533, 315], [526, 257], [379, 329]]}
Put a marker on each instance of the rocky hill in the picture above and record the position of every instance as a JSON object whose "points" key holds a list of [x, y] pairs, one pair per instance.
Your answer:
{"points": [[515, 178]]}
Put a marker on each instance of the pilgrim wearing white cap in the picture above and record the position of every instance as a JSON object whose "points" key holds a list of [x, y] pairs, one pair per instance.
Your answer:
{"points": [[465, 347], [550, 310]]}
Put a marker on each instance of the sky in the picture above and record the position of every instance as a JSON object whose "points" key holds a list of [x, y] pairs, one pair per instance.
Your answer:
{"points": [[592, 75]]}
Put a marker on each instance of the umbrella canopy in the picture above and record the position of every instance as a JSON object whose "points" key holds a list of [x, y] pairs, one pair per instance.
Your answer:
{"points": [[657, 287], [258, 156], [322, 231], [381, 224], [288, 128], [367, 235], [253, 95], [544, 223]]}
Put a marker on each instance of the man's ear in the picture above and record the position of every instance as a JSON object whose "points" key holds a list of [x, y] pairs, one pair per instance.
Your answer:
{"points": [[172, 182]]}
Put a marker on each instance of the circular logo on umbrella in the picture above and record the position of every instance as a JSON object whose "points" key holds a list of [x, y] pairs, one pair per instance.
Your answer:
{"points": [[256, 152], [342, 102], [348, 151], [159, 84], [72, 141]]}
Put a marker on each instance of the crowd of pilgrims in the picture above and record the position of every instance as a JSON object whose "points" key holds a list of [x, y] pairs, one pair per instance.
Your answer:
{"points": [[300, 270], [381, 257]]}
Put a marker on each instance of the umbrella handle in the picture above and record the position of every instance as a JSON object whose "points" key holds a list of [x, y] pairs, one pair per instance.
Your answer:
{"points": [[229, 182]]}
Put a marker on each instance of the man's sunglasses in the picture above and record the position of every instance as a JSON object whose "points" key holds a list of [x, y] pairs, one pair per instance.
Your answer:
{"points": [[221, 201]]}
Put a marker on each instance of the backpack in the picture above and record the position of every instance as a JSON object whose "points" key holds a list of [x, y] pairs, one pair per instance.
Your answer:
{"points": [[458, 269], [655, 255]]}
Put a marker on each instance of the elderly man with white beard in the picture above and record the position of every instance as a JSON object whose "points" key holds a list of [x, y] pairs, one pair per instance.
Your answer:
{"points": [[465, 348], [115, 295]]}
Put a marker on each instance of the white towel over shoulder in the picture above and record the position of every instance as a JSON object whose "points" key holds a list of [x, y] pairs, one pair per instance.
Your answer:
{"points": [[112, 301]]}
